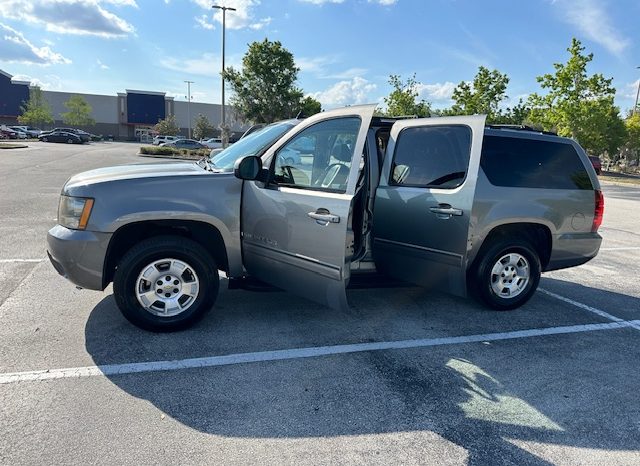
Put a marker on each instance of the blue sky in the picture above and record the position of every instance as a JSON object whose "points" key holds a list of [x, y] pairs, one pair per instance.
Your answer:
{"points": [[346, 49]]}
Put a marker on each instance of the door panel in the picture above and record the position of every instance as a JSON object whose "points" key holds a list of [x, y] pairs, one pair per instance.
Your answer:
{"points": [[296, 231], [424, 200]]}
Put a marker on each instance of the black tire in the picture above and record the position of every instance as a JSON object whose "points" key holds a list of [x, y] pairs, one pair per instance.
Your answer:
{"points": [[482, 280], [155, 249], [45, 140], [69, 141]]}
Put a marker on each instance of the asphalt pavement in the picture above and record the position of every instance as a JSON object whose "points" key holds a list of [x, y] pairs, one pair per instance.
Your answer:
{"points": [[406, 376]]}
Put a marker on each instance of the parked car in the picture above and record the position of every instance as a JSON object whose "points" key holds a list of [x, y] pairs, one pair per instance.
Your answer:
{"points": [[184, 144], [21, 134], [61, 136], [212, 143], [83, 135], [28, 130], [597, 163], [8, 133], [162, 139], [440, 202]]}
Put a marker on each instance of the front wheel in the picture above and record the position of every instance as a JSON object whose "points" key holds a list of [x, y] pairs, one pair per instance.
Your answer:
{"points": [[507, 275], [166, 283]]}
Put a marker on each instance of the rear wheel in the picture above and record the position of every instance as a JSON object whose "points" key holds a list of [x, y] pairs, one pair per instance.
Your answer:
{"points": [[45, 139], [166, 283], [507, 275], [69, 141]]}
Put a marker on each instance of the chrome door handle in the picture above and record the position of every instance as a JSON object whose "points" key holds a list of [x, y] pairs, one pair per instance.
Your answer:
{"points": [[324, 217], [446, 209]]}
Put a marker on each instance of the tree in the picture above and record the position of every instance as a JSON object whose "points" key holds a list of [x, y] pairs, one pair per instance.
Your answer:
{"points": [[168, 126], [633, 136], [310, 106], [265, 90], [483, 96], [36, 111], [203, 127], [402, 99], [579, 106], [79, 113]]}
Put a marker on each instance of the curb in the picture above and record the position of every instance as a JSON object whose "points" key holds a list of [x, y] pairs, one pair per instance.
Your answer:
{"points": [[172, 157], [13, 146]]}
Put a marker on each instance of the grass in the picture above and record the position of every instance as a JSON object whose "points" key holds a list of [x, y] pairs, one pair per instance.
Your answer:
{"points": [[173, 152]]}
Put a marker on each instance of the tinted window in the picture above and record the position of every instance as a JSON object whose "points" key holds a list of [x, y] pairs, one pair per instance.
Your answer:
{"points": [[432, 156], [319, 157], [528, 163]]}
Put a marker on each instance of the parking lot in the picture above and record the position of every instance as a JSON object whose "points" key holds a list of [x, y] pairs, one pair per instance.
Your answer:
{"points": [[406, 376]]}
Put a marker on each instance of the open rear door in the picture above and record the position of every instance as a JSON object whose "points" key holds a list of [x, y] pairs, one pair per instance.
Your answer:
{"points": [[424, 200], [296, 228]]}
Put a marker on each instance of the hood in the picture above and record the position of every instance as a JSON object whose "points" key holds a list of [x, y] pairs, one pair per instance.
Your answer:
{"points": [[144, 170]]}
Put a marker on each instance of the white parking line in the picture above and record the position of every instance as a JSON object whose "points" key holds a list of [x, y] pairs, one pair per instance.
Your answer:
{"points": [[11, 261], [600, 312], [627, 248], [295, 353]]}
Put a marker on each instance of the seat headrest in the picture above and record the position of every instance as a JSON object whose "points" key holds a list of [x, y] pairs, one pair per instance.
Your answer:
{"points": [[342, 152]]}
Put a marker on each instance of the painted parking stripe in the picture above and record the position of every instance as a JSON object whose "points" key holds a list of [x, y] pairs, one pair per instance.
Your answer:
{"points": [[295, 353], [600, 312], [13, 261], [624, 248]]}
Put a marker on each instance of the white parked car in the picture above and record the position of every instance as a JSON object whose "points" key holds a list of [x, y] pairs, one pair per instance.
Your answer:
{"points": [[162, 139], [212, 143]]}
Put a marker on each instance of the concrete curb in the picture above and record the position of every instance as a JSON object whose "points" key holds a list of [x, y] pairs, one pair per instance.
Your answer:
{"points": [[12, 146]]}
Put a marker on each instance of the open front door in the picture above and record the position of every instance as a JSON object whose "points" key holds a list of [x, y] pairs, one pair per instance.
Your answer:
{"points": [[296, 228], [424, 200]]}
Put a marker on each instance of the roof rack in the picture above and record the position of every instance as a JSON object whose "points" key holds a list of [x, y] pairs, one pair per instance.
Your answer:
{"points": [[522, 128]]}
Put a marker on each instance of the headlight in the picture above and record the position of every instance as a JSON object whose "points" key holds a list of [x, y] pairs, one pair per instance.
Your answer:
{"points": [[73, 212]]}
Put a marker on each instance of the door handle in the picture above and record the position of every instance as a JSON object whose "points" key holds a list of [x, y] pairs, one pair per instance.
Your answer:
{"points": [[446, 209], [324, 217]]}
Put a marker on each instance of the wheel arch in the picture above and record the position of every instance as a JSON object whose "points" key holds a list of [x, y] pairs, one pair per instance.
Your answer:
{"points": [[125, 237], [538, 234]]}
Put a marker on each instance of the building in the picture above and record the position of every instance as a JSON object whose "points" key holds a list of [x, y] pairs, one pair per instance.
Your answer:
{"points": [[127, 115]]}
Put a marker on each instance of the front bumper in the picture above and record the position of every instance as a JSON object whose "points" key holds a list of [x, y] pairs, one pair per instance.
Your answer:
{"points": [[78, 255]]}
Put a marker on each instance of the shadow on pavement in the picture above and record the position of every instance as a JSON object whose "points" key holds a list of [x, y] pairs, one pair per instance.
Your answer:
{"points": [[571, 390]]}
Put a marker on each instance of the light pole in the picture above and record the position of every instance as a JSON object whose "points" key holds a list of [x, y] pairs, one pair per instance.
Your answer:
{"points": [[189, 83], [223, 132], [635, 107]]}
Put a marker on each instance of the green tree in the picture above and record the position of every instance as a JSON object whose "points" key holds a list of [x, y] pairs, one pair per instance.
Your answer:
{"points": [[203, 127], [168, 126], [265, 90], [79, 113], [579, 105], [36, 111], [402, 99], [483, 96], [633, 136], [310, 106]]}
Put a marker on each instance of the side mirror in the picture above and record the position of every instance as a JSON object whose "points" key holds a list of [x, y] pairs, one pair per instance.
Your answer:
{"points": [[248, 168]]}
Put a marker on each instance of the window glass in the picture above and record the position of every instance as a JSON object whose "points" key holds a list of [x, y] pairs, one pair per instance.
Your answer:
{"points": [[318, 157], [527, 163], [432, 156]]}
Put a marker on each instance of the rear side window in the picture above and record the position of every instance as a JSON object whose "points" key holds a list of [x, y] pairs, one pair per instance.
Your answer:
{"points": [[527, 163], [432, 156]]}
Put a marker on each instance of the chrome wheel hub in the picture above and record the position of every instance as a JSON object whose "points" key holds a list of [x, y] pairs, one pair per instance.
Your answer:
{"points": [[167, 287], [510, 275]]}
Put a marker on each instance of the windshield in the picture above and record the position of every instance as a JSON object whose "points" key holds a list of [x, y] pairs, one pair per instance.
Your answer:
{"points": [[253, 144]]}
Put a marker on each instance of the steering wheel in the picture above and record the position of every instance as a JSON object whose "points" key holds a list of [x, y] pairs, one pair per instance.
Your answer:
{"points": [[330, 174]]}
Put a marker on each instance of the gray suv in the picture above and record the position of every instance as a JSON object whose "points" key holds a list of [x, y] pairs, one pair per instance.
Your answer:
{"points": [[439, 202]]}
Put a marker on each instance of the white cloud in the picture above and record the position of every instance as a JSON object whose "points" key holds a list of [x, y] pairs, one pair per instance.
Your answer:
{"points": [[83, 17], [102, 65], [436, 91], [203, 22], [243, 17], [52, 82], [592, 20], [384, 2], [349, 92], [14, 47], [207, 64], [316, 65]]}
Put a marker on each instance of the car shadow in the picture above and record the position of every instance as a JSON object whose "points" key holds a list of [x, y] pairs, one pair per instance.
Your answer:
{"points": [[490, 399]]}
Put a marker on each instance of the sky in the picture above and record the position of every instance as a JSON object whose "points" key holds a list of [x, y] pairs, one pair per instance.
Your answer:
{"points": [[345, 49]]}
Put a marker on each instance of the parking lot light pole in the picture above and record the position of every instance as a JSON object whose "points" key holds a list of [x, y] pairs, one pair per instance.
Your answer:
{"points": [[189, 83], [223, 134], [635, 106]]}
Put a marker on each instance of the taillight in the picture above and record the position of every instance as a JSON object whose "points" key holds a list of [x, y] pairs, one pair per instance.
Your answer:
{"points": [[598, 211]]}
